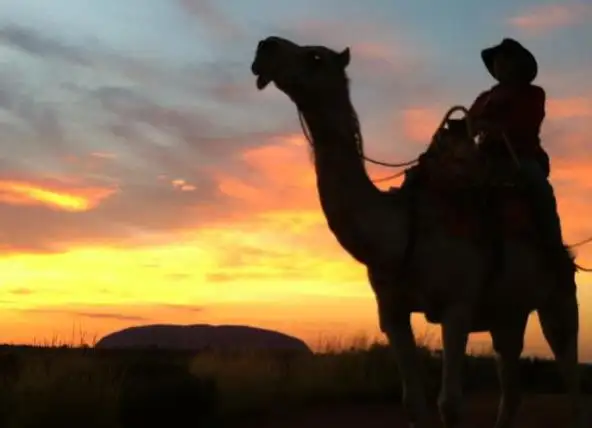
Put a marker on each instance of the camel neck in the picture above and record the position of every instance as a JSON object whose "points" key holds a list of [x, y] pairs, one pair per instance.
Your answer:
{"points": [[356, 211]]}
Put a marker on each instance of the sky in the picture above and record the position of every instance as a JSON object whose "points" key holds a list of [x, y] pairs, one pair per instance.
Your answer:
{"points": [[144, 179]]}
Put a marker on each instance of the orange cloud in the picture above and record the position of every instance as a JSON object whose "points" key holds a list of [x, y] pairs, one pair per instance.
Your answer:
{"points": [[572, 180], [564, 108], [182, 185], [284, 159], [236, 188], [551, 17], [74, 200], [578, 171], [420, 123], [281, 177]]}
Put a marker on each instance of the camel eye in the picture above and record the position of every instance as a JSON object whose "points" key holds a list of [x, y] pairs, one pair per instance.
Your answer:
{"points": [[314, 58]]}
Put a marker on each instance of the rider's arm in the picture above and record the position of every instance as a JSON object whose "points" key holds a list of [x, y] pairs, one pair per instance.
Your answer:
{"points": [[478, 107], [525, 112], [514, 111], [478, 111]]}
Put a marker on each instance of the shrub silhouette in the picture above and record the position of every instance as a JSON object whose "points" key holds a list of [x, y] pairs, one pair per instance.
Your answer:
{"points": [[156, 393], [73, 387]]}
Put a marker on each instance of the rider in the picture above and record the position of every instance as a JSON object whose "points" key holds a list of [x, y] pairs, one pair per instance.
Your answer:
{"points": [[509, 116]]}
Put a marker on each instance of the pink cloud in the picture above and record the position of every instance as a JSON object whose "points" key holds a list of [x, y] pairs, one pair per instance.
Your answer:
{"points": [[564, 108], [550, 17], [282, 176], [212, 18], [374, 48], [420, 123]]}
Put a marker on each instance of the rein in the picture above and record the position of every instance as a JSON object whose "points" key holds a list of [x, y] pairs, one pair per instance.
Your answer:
{"points": [[450, 112], [360, 148]]}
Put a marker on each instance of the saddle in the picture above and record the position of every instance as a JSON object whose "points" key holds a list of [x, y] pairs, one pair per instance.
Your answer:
{"points": [[473, 197], [472, 187]]}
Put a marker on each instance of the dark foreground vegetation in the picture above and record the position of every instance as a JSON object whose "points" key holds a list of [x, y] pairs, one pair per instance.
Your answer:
{"points": [[85, 387]]}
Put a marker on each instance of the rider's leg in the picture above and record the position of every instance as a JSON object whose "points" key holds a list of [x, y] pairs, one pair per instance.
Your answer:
{"points": [[544, 205]]}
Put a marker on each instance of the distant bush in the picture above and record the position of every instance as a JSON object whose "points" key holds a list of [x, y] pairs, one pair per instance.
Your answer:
{"points": [[157, 393], [85, 387]]}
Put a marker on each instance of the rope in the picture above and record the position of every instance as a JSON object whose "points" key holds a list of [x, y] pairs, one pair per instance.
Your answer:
{"points": [[389, 177], [390, 165], [511, 150], [449, 113], [583, 269], [453, 110], [307, 135], [580, 243]]}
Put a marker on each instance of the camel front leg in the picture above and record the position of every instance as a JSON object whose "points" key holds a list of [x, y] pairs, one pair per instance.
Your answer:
{"points": [[400, 336], [455, 333], [508, 341], [395, 322], [560, 324]]}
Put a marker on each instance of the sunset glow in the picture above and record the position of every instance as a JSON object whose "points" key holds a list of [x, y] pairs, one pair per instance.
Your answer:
{"points": [[144, 179], [16, 193]]}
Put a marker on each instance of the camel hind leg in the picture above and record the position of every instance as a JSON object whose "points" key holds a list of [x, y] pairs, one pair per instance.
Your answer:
{"points": [[508, 342], [560, 324], [455, 333]]}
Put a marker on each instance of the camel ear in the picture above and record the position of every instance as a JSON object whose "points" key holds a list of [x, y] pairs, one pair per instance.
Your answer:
{"points": [[344, 57]]}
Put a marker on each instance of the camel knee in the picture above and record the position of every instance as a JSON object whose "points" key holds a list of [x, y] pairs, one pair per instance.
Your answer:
{"points": [[508, 342], [560, 326]]}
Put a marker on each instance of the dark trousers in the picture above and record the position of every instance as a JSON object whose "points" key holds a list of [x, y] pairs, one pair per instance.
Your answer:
{"points": [[542, 199], [540, 195]]}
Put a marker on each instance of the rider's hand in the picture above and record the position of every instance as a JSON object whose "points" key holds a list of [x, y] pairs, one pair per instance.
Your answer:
{"points": [[488, 127]]}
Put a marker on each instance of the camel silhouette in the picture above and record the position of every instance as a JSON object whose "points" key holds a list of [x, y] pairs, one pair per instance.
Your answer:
{"points": [[449, 275]]}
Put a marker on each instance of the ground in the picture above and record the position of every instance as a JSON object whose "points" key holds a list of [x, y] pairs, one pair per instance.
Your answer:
{"points": [[74, 387], [546, 411]]}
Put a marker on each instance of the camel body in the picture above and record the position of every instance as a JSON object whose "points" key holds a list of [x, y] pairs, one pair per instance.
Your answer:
{"points": [[447, 275]]}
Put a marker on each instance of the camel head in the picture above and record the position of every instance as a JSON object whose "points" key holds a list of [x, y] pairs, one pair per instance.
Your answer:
{"points": [[309, 75]]}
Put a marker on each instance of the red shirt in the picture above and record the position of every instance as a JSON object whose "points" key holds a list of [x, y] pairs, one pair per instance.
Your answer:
{"points": [[518, 110]]}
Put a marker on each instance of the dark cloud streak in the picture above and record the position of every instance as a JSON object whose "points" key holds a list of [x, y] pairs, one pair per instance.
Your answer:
{"points": [[84, 314], [173, 128]]}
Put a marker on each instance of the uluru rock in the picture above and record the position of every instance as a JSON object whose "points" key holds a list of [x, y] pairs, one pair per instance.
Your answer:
{"points": [[198, 337]]}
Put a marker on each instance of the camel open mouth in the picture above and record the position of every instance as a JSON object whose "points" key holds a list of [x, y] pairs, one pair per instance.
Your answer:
{"points": [[263, 74], [262, 81], [263, 64]]}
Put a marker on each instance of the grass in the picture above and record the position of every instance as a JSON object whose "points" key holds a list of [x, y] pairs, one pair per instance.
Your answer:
{"points": [[74, 386]]}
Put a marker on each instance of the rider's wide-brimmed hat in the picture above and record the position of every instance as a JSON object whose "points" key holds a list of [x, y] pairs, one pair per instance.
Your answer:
{"points": [[527, 64]]}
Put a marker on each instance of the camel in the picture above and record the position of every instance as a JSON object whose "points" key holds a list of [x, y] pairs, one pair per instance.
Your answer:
{"points": [[446, 275]]}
